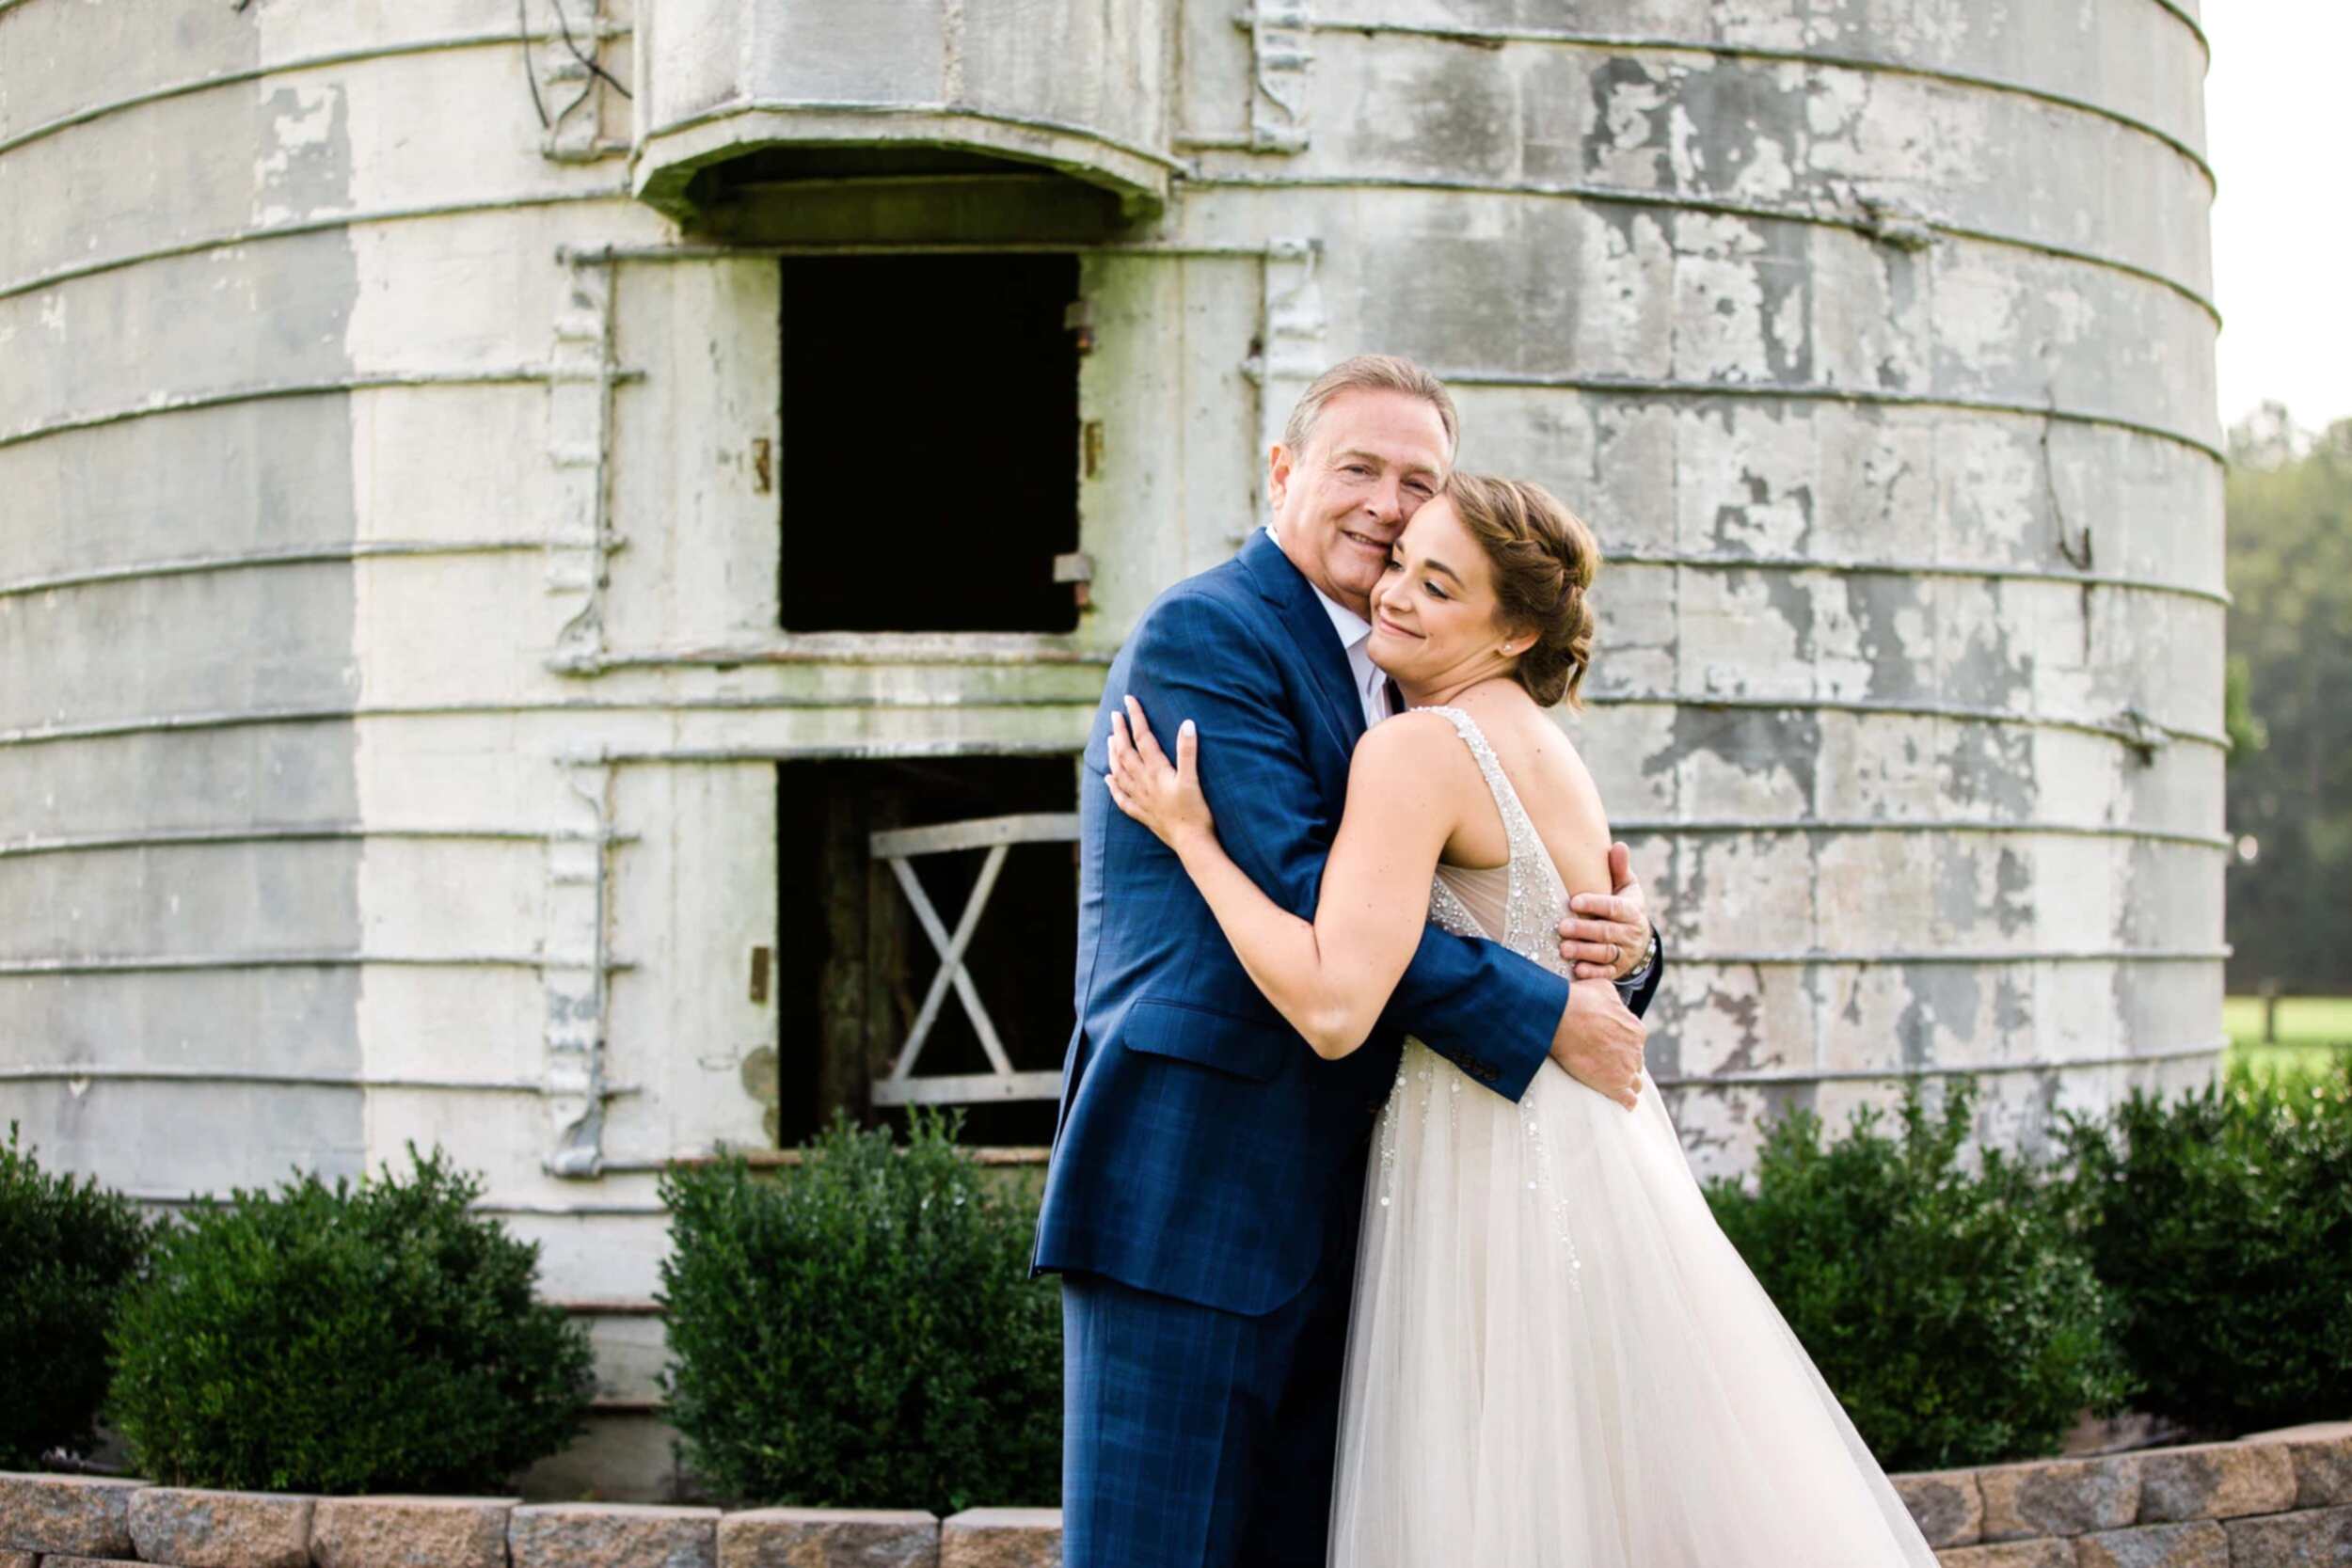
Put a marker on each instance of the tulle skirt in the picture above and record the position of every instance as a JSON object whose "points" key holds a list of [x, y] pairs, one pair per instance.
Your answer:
{"points": [[1558, 1360]]}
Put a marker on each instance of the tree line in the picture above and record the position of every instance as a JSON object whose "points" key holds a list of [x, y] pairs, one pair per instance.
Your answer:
{"points": [[2290, 705]]}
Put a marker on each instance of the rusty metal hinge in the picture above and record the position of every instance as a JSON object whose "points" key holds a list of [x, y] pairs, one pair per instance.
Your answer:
{"points": [[1076, 569]]}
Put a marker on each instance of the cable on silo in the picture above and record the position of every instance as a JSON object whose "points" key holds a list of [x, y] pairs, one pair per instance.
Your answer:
{"points": [[522, 36], [563, 24], [587, 61]]}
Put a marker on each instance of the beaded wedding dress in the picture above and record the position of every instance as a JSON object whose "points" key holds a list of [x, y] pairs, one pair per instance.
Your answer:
{"points": [[1557, 1359]]}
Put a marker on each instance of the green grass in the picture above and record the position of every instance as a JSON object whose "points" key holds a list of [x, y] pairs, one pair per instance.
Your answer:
{"points": [[2312, 1032]]}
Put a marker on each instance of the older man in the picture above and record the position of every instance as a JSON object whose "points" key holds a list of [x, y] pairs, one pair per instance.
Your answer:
{"points": [[1208, 1168]]}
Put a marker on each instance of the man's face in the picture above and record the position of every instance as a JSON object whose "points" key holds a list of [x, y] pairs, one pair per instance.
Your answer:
{"points": [[1372, 459]]}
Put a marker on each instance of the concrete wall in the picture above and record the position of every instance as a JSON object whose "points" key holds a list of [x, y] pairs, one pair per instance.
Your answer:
{"points": [[289, 857], [389, 682], [1874, 341], [1074, 84]]}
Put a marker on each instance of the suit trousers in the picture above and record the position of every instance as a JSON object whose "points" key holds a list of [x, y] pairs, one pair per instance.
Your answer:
{"points": [[1199, 1438]]}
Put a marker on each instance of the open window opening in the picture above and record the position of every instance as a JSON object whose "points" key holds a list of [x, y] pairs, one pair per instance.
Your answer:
{"points": [[856, 964], [930, 469]]}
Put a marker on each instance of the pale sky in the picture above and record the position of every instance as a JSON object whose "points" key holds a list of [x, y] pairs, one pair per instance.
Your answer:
{"points": [[2279, 118]]}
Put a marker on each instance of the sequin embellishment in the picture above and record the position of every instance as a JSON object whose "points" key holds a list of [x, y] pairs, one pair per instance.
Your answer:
{"points": [[1529, 912]]}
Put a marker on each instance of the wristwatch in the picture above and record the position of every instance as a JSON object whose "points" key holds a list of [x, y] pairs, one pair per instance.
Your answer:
{"points": [[1641, 971]]}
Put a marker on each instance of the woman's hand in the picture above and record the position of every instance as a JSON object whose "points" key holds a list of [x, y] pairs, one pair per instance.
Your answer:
{"points": [[1163, 797]]}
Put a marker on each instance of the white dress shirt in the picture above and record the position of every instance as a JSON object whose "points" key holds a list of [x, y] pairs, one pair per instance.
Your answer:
{"points": [[1371, 682]]}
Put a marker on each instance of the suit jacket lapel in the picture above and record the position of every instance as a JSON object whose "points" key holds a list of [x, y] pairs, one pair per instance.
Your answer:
{"points": [[1309, 626]]}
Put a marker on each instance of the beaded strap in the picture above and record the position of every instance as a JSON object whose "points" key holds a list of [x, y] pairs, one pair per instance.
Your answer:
{"points": [[1525, 922], [1527, 846]]}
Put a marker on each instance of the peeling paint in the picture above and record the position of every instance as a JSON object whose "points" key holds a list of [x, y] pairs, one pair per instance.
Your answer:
{"points": [[1677, 282], [305, 165]]}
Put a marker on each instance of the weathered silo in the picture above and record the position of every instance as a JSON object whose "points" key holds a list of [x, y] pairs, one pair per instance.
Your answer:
{"points": [[523, 548]]}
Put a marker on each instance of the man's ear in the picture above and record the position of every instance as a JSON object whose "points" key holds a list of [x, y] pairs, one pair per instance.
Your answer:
{"points": [[1277, 475]]}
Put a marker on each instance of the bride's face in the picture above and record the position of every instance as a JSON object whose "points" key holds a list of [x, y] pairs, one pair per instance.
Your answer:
{"points": [[1434, 610]]}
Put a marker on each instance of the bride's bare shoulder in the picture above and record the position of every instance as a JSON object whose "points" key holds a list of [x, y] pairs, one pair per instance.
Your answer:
{"points": [[1413, 768], [1417, 737], [1420, 748], [1553, 784], [1512, 722]]}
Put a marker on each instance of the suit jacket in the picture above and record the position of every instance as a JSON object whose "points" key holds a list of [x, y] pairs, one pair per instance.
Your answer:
{"points": [[1203, 1147]]}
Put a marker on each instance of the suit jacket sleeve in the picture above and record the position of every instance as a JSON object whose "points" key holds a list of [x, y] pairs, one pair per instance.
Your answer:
{"points": [[1484, 1007], [1636, 992]]}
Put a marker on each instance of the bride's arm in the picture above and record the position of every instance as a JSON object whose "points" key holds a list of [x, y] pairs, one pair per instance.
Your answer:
{"points": [[1331, 976]]}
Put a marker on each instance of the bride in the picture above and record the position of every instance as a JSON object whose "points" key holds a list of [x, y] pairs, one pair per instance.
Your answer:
{"points": [[1556, 1358]]}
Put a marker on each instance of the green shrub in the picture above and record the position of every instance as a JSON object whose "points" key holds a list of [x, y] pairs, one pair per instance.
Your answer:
{"points": [[70, 1250], [1953, 1314], [2222, 1221], [376, 1339], [863, 1331]]}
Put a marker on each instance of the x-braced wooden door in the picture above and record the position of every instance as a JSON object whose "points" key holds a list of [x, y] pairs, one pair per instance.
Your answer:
{"points": [[996, 838]]}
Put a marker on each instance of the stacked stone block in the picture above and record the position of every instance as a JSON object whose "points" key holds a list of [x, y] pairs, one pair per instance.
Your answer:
{"points": [[57, 1521], [2275, 1502], [2282, 1500]]}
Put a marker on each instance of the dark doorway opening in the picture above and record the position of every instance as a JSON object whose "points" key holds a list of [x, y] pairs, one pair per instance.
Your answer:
{"points": [[929, 471], [854, 963]]}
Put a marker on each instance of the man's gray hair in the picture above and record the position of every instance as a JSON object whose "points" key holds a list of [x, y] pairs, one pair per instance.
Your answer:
{"points": [[1375, 373]]}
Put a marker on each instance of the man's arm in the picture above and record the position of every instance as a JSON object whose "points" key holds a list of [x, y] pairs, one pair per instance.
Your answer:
{"points": [[1493, 1013]]}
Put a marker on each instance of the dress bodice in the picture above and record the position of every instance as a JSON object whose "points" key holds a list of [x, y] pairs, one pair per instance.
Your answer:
{"points": [[1518, 904]]}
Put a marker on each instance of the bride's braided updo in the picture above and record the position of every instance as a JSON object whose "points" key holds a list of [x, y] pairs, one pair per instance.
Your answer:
{"points": [[1543, 558]]}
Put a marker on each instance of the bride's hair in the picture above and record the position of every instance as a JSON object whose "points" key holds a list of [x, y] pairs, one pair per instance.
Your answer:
{"points": [[1545, 558]]}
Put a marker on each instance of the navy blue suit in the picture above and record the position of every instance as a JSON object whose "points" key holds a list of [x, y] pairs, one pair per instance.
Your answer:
{"points": [[1208, 1167]]}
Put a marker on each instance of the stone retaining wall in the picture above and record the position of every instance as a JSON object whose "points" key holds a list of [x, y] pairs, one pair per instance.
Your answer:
{"points": [[2280, 1499], [2277, 1501]]}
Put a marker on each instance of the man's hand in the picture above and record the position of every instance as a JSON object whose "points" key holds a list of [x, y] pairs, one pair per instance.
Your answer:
{"points": [[1611, 937], [1599, 1043]]}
